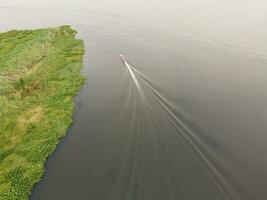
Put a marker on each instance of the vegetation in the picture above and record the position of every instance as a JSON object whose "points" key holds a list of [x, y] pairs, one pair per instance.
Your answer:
{"points": [[39, 75]]}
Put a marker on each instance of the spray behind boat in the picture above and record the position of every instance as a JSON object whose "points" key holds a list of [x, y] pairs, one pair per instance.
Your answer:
{"points": [[123, 59]]}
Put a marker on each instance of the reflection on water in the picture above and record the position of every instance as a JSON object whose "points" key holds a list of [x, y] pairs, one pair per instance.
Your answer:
{"points": [[185, 119]]}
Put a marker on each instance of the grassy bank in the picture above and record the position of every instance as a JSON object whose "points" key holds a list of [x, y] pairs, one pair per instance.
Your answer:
{"points": [[39, 75]]}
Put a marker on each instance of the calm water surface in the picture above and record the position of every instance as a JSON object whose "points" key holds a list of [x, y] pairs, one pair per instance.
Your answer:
{"points": [[183, 118]]}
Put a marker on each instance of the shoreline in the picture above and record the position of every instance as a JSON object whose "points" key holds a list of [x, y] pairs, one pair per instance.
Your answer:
{"points": [[41, 76]]}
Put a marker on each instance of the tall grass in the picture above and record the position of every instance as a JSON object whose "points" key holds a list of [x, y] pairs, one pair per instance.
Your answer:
{"points": [[39, 75]]}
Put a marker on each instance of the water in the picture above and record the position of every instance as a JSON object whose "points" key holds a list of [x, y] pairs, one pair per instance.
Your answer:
{"points": [[183, 118]]}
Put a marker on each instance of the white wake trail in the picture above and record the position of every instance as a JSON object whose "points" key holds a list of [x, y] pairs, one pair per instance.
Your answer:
{"points": [[133, 75], [190, 137]]}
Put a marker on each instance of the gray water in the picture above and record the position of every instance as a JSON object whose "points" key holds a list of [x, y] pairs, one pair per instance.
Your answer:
{"points": [[183, 118]]}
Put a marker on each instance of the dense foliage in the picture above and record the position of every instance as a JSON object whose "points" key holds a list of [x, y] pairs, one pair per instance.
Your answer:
{"points": [[39, 75]]}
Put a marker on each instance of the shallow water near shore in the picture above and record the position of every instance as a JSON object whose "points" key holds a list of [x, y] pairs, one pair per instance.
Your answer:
{"points": [[183, 118]]}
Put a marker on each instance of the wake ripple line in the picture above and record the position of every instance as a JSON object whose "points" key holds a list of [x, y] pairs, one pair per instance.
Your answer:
{"points": [[187, 133]]}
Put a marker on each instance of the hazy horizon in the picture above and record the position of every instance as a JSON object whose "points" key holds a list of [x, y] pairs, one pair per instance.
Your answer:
{"points": [[231, 24]]}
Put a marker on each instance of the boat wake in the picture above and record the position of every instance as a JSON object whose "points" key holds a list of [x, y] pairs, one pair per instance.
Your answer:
{"points": [[188, 149]]}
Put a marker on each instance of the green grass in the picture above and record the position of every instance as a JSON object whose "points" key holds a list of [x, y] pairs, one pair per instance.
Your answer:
{"points": [[39, 75]]}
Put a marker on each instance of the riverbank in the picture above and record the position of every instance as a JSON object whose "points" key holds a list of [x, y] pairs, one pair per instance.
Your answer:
{"points": [[39, 75]]}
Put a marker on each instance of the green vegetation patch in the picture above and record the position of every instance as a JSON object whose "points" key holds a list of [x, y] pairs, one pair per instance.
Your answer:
{"points": [[39, 75]]}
